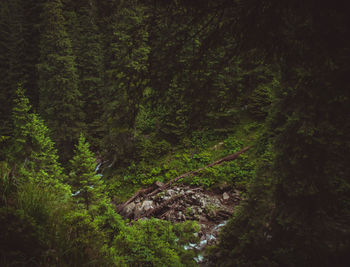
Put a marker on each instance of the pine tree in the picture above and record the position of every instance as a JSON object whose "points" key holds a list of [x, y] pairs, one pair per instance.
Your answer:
{"points": [[87, 47], [125, 77], [32, 37], [307, 223], [11, 57], [32, 150], [60, 99], [20, 148], [86, 183]]}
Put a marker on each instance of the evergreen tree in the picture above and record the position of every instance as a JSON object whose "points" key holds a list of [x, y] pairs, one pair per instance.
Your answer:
{"points": [[90, 69], [11, 58], [86, 39], [32, 37], [20, 148], [32, 149], [60, 99], [307, 223], [125, 81], [86, 183]]}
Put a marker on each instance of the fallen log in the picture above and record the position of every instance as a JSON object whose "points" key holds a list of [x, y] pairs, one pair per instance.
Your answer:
{"points": [[156, 188]]}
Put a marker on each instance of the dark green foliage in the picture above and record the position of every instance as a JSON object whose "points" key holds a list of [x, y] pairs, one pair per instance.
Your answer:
{"points": [[160, 88], [7, 184], [245, 239], [60, 99], [87, 47], [309, 209], [259, 102], [126, 55], [11, 58]]}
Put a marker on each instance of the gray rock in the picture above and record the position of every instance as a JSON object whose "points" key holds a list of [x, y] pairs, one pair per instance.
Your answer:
{"points": [[137, 210], [225, 196], [170, 192], [129, 208], [147, 205]]}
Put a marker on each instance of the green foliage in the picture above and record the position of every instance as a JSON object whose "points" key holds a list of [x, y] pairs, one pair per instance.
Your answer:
{"points": [[259, 102], [37, 202], [244, 240], [12, 55], [60, 99], [237, 172], [32, 149], [83, 240], [19, 149], [87, 185], [126, 62], [7, 183], [156, 86], [149, 148], [156, 243], [81, 21]]}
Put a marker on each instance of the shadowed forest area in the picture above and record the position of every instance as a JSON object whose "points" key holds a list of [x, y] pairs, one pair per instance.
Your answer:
{"points": [[174, 133]]}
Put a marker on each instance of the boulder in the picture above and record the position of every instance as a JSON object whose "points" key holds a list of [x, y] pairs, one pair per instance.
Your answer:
{"points": [[147, 205], [225, 196], [129, 209]]}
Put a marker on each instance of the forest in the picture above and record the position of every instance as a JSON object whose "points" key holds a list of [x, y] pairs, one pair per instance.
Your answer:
{"points": [[174, 133]]}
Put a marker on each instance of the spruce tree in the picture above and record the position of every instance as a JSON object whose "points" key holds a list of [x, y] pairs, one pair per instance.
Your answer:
{"points": [[19, 148], [32, 150], [87, 47], [307, 223], [11, 58], [60, 99], [87, 185], [125, 77]]}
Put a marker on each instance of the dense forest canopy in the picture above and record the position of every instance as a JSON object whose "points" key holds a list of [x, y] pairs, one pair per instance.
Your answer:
{"points": [[101, 98]]}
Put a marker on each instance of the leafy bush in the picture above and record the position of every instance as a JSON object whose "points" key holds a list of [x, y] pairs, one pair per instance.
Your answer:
{"points": [[156, 242], [150, 148]]}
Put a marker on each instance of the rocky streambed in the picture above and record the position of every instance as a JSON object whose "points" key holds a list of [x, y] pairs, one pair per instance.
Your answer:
{"points": [[180, 203]]}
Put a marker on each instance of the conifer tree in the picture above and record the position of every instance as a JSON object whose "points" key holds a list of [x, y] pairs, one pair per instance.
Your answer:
{"points": [[11, 57], [125, 77], [60, 99], [19, 149], [87, 185], [87, 47], [32, 149]]}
